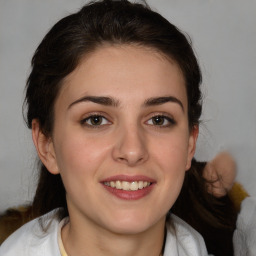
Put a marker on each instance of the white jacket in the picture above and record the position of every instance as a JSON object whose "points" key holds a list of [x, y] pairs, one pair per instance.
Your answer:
{"points": [[31, 240], [244, 238]]}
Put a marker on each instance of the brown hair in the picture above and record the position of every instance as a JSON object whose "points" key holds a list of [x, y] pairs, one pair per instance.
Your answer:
{"points": [[214, 218], [59, 53]]}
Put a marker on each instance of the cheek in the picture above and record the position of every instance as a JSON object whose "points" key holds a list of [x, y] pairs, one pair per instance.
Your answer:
{"points": [[78, 154], [172, 152], [173, 165], [80, 163], [171, 156], [171, 161]]}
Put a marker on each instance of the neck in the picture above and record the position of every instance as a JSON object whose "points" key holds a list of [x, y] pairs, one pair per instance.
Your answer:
{"points": [[85, 240]]}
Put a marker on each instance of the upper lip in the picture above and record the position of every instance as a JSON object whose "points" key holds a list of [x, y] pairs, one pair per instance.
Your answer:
{"points": [[129, 178]]}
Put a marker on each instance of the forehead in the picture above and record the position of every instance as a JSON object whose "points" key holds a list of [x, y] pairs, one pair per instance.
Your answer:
{"points": [[125, 71]]}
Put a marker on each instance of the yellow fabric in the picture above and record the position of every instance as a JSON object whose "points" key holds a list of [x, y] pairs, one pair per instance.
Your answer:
{"points": [[60, 243], [237, 195]]}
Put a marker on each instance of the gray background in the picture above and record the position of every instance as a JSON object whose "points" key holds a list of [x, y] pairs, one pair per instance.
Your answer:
{"points": [[224, 38]]}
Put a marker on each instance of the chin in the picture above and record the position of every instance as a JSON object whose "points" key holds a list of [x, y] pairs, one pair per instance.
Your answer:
{"points": [[132, 225], [131, 229]]}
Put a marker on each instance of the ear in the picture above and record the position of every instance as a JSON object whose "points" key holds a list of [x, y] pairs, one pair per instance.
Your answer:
{"points": [[192, 145], [44, 147]]}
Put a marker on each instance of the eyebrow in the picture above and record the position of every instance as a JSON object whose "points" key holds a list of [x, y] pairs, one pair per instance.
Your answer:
{"points": [[106, 101], [109, 101], [161, 100]]}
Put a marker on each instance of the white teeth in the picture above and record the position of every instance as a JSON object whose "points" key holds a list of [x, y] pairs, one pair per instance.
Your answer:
{"points": [[127, 186], [118, 184], [141, 183], [134, 186]]}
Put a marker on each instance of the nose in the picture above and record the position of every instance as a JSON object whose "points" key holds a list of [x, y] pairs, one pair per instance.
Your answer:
{"points": [[131, 146]]}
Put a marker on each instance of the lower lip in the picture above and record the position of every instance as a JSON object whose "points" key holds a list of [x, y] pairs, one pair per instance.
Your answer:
{"points": [[129, 195]]}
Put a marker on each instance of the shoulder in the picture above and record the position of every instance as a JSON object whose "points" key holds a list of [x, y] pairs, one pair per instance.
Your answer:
{"points": [[244, 239], [183, 240], [31, 239]]}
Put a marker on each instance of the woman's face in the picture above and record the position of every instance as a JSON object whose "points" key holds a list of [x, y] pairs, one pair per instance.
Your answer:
{"points": [[121, 139]]}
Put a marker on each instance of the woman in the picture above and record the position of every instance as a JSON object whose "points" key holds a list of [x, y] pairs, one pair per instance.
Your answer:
{"points": [[114, 102]]}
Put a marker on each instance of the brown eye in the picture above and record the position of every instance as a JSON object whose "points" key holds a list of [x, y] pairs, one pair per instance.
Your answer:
{"points": [[158, 120], [95, 120], [161, 120]]}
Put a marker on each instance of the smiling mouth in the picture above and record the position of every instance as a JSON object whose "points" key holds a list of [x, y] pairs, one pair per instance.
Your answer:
{"points": [[127, 186]]}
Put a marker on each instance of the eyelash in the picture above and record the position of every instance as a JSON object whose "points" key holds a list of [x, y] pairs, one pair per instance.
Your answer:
{"points": [[170, 121], [85, 121]]}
